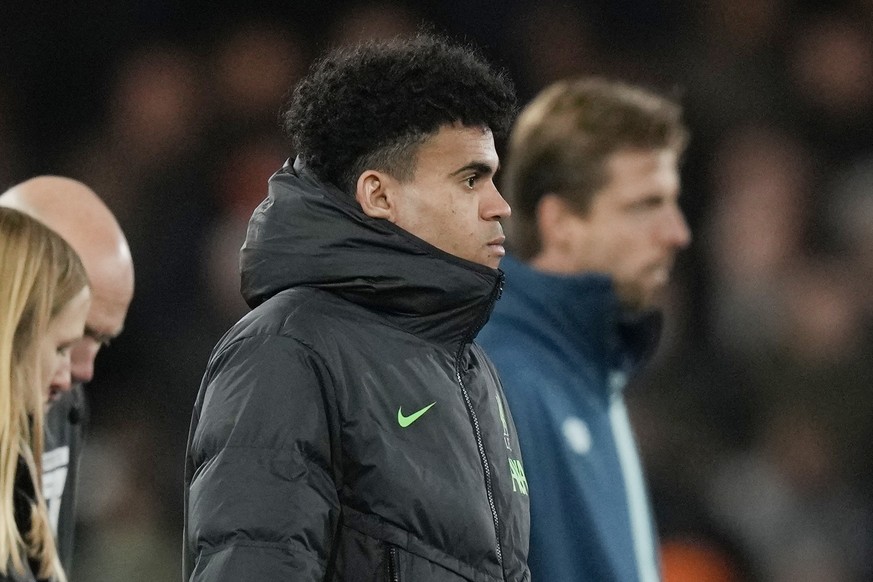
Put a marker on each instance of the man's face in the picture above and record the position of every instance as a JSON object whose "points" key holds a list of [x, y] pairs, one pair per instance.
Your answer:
{"points": [[634, 226], [104, 323], [452, 202], [63, 333]]}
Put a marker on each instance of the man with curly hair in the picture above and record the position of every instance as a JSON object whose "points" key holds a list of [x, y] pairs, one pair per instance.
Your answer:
{"points": [[348, 428]]}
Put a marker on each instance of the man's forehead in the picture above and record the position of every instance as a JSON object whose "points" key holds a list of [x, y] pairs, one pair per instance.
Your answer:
{"points": [[106, 316], [460, 145]]}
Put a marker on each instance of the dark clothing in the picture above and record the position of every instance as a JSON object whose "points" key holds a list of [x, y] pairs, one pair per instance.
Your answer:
{"points": [[23, 502], [27, 576], [565, 350], [347, 429], [64, 424]]}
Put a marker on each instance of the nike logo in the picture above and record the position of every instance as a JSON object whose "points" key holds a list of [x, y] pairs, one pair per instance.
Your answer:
{"points": [[405, 421]]}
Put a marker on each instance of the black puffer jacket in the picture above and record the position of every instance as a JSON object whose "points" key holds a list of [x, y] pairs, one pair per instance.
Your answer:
{"points": [[348, 428]]}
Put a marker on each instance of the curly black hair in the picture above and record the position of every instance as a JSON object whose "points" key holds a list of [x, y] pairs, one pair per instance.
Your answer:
{"points": [[370, 106]]}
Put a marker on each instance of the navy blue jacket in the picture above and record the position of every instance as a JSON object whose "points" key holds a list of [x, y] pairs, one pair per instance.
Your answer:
{"points": [[564, 351]]}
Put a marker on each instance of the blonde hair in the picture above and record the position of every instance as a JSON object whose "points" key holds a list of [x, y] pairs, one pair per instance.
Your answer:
{"points": [[563, 138], [39, 274]]}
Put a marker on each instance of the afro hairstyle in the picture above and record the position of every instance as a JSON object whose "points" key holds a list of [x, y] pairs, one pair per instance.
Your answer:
{"points": [[369, 106]]}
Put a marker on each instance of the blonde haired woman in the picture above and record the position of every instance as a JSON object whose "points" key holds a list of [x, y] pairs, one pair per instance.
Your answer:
{"points": [[44, 298]]}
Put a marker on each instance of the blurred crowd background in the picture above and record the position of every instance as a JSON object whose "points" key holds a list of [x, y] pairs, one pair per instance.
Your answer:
{"points": [[755, 417]]}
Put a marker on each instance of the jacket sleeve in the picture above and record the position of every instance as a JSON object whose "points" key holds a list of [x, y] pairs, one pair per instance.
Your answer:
{"points": [[261, 501]]}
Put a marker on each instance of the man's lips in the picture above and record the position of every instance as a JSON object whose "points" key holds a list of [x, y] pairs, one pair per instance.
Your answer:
{"points": [[662, 270], [497, 245]]}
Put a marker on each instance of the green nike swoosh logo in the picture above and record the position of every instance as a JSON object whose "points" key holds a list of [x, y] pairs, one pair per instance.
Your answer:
{"points": [[405, 421]]}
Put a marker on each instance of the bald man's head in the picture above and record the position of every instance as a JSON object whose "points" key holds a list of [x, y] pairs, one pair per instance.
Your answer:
{"points": [[76, 213]]}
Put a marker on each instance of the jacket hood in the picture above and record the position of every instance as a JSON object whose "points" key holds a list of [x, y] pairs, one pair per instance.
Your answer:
{"points": [[309, 233]]}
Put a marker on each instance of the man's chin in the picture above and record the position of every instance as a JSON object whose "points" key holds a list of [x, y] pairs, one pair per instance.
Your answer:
{"points": [[643, 300]]}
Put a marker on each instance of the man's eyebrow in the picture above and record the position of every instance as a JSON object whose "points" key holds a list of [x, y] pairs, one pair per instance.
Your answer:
{"points": [[479, 167], [100, 338]]}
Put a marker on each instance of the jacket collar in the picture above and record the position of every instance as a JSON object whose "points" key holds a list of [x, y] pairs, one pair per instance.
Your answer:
{"points": [[578, 315], [309, 233]]}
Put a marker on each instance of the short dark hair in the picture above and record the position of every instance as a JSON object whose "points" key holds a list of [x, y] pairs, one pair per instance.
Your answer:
{"points": [[564, 137], [369, 106]]}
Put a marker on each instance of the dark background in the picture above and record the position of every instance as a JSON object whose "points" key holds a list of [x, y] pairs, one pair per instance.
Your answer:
{"points": [[754, 418]]}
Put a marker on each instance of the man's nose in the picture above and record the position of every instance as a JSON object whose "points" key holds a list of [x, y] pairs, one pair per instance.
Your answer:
{"points": [[677, 232], [495, 206], [83, 356]]}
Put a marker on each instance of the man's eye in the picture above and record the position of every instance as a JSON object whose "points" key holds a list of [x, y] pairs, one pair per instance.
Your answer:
{"points": [[648, 203], [102, 340], [471, 182]]}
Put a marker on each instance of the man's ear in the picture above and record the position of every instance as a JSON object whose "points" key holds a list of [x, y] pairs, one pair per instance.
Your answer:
{"points": [[552, 220], [371, 193], [563, 232]]}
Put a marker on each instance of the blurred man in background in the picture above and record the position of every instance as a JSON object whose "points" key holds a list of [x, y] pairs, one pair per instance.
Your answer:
{"points": [[76, 213], [592, 176]]}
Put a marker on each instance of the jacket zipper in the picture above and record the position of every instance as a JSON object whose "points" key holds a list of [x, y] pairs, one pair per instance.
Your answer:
{"points": [[480, 445], [393, 570]]}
